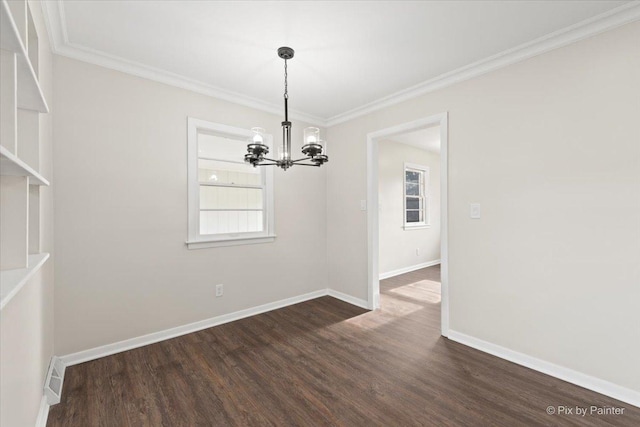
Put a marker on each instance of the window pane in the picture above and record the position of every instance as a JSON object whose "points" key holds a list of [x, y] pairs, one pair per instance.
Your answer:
{"points": [[414, 216], [413, 203], [216, 222], [212, 197], [412, 176], [221, 172], [412, 189]]}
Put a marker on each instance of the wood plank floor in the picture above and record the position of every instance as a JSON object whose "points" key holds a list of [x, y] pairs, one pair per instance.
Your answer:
{"points": [[324, 363]]}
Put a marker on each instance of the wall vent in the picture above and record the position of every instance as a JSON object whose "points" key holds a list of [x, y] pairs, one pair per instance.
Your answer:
{"points": [[53, 384]]}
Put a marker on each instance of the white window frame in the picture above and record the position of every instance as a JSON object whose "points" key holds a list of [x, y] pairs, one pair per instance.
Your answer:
{"points": [[425, 197], [200, 241]]}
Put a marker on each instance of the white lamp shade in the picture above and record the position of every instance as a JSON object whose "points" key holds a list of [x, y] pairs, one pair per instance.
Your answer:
{"points": [[257, 135], [324, 146], [311, 136]]}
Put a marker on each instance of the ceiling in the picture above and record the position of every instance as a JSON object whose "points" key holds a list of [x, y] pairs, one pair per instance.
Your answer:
{"points": [[349, 54]]}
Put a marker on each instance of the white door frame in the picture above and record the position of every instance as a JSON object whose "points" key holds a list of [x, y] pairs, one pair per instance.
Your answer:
{"points": [[373, 211]]}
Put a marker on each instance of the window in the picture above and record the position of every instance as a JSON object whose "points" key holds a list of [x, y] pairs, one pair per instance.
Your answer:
{"points": [[416, 197], [230, 201]]}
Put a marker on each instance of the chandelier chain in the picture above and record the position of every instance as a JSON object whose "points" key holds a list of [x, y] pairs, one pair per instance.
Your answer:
{"points": [[286, 89]]}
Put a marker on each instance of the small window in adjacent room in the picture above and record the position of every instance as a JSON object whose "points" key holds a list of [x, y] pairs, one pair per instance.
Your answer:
{"points": [[230, 201], [416, 197]]}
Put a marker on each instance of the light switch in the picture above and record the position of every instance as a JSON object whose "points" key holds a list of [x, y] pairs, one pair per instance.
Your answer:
{"points": [[475, 210], [363, 205]]}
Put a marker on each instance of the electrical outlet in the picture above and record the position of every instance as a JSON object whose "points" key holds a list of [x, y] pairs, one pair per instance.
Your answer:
{"points": [[219, 290], [417, 251], [475, 211]]}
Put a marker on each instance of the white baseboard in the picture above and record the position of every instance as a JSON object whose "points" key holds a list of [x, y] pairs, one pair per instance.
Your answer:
{"points": [[408, 269], [606, 388], [598, 385], [117, 347], [129, 344], [349, 299], [43, 413]]}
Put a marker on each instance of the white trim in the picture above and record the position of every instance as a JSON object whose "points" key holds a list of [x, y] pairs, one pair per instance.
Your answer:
{"points": [[348, 299], [118, 347], [589, 27], [194, 239], [419, 226], [60, 45], [43, 413], [409, 165], [589, 382], [424, 193], [373, 230], [203, 244], [55, 22], [373, 276], [444, 223], [409, 269], [56, 27]]}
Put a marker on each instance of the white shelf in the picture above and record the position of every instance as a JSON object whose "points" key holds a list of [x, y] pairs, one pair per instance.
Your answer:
{"points": [[11, 281], [21, 102], [13, 166], [30, 96]]}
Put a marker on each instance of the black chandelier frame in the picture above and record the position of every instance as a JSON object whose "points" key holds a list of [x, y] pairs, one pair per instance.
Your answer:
{"points": [[257, 150]]}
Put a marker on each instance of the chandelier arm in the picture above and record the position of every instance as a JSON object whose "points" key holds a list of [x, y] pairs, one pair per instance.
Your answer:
{"points": [[307, 164], [267, 164], [301, 160]]}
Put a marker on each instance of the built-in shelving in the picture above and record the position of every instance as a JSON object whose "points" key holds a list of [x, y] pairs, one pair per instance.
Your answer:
{"points": [[21, 102], [13, 166], [30, 96], [11, 281]]}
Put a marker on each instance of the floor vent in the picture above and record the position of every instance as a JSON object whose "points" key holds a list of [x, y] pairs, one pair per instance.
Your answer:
{"points": [[53, 384]]}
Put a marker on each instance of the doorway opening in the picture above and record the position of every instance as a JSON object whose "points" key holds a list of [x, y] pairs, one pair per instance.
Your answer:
{"points": [[417, 208]]}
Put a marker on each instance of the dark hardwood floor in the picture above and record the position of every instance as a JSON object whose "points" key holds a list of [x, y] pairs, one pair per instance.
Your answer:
{"points": [[324, 363]]}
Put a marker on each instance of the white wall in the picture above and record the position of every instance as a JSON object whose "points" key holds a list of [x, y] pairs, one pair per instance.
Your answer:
{"points": [[122, 267], [26, 323], [550, 148], [397, 245]]}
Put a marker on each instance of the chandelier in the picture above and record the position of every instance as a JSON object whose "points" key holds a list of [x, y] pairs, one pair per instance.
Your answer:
{"points": [[312, 147]]}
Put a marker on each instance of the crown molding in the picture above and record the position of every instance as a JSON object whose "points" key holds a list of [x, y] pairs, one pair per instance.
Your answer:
{"points": [[56, 26], [54, 23], [57, 29], [74, 51], [600, 23]]}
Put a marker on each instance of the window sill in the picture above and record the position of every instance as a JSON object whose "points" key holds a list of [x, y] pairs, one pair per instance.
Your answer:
{"points": [[203, 244], [417, 227]]}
